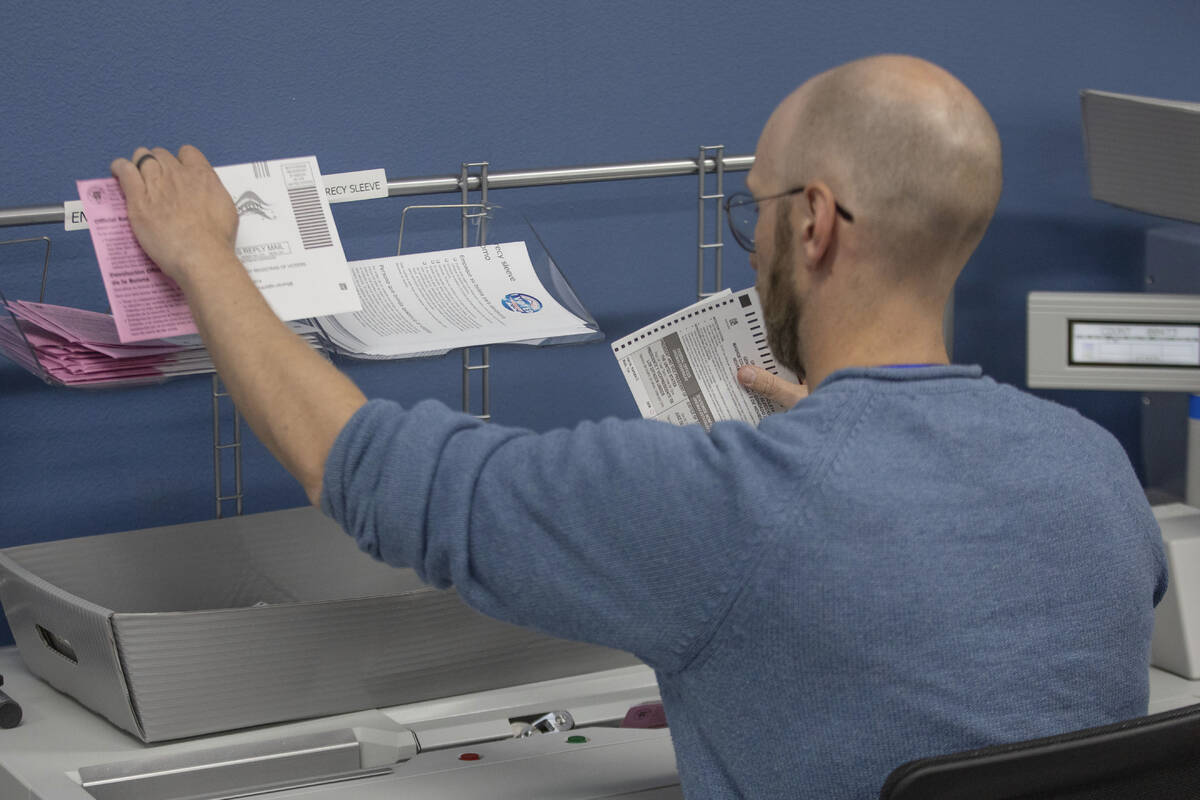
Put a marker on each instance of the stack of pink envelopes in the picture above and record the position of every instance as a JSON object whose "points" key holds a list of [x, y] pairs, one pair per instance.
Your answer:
{"points": [[75, 347]]}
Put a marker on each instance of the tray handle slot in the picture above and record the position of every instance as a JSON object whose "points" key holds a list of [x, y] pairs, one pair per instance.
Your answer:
{"points": [[57, 644]]}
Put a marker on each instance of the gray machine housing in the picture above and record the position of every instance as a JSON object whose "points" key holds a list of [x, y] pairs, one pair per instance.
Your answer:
{"points": [[1050, 315]]}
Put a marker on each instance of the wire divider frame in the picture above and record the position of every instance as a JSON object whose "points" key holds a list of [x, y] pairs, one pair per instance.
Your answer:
{"points": [[710, 166]]}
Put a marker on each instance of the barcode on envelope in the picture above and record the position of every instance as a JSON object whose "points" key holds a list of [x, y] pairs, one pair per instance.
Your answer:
{"points": [[261, 170], [310, 217]]}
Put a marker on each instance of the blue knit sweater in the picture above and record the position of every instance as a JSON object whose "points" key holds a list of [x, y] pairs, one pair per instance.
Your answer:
{"points": [[907, 563]]}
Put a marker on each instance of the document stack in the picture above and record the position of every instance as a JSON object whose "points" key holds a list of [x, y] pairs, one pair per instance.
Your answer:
{"points": [[503, 289], [74, 347], [426, 304]]}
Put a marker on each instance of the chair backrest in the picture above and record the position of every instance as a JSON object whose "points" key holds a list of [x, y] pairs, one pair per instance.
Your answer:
{"points": [[1149, 757]]}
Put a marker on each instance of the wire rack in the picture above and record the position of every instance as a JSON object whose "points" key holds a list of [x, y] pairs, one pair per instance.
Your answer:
{"points": [[472, 183]]}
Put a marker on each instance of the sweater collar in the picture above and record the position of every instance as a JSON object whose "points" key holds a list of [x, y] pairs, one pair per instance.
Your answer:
{"points": [[906, 375]]}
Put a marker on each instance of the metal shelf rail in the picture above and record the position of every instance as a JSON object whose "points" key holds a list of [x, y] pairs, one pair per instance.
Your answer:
{"points": [[444, 184], [710, 166]]}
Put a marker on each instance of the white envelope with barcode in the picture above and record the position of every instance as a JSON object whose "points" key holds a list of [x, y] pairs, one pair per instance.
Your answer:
{"points": [[287, 239]]}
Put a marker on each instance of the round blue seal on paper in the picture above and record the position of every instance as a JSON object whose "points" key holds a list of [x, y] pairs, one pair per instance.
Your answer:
{"points": [[521, 303]]}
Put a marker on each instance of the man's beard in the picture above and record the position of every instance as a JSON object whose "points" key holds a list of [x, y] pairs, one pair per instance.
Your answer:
{"points": [[781, 307]]}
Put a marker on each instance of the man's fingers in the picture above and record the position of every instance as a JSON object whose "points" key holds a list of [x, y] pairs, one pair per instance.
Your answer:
{"points": [[160, 171], [123, 168], [759, 380], [164, 157], [191, 156], [771, 386], [130, 179], [145, 161]]}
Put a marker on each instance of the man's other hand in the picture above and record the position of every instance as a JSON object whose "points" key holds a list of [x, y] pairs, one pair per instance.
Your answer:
{"points": [[179, 210], [771, 386]]}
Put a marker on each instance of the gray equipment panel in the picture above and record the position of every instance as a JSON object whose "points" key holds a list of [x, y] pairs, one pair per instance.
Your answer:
{"points": [[1051, 314], [1143, 153]]}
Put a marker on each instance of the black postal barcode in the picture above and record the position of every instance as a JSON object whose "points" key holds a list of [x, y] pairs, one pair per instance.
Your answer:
{"points": [[306, 205], [261, 170]]}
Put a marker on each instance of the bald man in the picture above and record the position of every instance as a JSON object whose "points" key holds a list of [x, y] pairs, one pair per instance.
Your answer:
{"points": [[912, 560]]}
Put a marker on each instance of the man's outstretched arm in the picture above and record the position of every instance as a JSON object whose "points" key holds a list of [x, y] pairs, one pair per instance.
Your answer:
{"points": [[295, 401]]}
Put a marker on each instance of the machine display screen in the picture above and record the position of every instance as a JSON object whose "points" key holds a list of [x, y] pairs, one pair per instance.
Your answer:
{"points": [[1134, 344]]}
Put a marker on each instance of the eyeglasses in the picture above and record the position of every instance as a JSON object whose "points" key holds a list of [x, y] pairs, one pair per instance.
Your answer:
{"points": [[742, 210]]}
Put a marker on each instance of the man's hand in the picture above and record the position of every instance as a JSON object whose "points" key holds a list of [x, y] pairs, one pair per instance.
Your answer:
{"points": [[771, 386], [179, 210]]}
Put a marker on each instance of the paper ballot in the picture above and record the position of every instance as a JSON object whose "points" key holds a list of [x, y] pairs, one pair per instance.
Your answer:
{"points": [[429, 303], [286, 239], [682, 369]]}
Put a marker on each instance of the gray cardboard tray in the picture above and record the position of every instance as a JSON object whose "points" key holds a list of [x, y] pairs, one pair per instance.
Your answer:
{"points": [[211, 626]]}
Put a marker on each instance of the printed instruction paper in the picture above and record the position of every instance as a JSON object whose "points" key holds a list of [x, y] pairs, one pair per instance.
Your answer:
{"points": [[429, 303], [682, 369], [286, 239]]}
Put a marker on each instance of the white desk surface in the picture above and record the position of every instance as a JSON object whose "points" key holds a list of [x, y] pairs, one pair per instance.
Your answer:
{"points": [[57, 735]]}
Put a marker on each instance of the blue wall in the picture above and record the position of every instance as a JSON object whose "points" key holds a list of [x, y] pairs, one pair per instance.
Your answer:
{"points": [[417, 88]]}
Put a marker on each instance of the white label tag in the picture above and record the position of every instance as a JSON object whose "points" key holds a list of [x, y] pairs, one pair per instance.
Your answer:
{"points": [[342, 187], [73, 217]]}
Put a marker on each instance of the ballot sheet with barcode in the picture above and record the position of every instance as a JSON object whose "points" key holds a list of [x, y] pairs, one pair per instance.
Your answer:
{"points": [[286, 239], [682, 369]]}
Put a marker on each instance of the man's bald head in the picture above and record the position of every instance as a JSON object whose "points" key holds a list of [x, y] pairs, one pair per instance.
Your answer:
{"points": [[905, 147]]}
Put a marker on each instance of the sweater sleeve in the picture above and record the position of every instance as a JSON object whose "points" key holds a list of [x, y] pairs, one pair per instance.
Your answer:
{"points": [[621, 533]]}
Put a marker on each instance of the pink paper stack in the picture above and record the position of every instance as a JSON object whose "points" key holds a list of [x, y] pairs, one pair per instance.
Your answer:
{"points": [[74, 347]]}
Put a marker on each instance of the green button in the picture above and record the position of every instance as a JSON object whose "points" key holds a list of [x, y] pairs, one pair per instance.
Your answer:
{"points": [[576, 739]]}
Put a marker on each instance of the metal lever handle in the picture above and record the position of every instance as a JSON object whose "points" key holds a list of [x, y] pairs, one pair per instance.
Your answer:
{"points": [[548, 723], [10, 712]]}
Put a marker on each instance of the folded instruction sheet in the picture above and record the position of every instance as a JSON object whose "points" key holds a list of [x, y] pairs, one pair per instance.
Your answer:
{"points": [[428, 303]]}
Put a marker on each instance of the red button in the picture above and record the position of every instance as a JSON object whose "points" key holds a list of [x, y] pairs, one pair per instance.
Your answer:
{"points": [[469, 757]]}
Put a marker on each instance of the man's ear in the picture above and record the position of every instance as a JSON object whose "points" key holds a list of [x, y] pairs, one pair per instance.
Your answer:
{"points": [[815, 209]]}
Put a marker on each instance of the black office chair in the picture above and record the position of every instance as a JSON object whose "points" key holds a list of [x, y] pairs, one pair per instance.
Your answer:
{"points": [[1155, 758]]}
